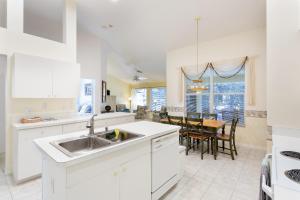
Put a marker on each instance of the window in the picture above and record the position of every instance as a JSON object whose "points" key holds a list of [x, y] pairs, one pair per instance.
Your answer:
{"points": [[198, 102], [158, 98], [225, 97], [229, 97], [139, 97], [86, 98]]}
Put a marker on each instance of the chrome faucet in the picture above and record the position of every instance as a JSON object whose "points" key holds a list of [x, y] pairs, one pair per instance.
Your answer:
{"points": [[91, 125]]}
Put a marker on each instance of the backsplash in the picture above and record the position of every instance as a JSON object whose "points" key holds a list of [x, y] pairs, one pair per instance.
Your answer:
{"points": [[58, 108]]}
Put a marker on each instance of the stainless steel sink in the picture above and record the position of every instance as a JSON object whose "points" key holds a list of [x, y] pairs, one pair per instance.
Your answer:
{"points": [[121, 137], [81, 145], [78, 146]]}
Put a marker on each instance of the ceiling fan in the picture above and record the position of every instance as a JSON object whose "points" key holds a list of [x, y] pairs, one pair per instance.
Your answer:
{"points": [[139, 76]]}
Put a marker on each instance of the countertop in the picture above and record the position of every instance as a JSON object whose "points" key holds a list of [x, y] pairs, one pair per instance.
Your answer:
{"points": [[150, 130], [85, 118]]}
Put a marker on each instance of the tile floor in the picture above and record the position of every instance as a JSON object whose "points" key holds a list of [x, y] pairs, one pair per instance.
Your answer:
{"points": [[203, 179]]}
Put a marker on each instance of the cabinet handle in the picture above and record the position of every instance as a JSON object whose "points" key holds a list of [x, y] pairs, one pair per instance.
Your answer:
{"points": [[159, 146]]}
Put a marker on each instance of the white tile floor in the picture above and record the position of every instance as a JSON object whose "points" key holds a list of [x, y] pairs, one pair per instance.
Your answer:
{"points": [[206, 179]]}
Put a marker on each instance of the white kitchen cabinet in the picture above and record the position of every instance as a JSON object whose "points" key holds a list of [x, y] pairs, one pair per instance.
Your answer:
{"points": [[37, 77], [27, 158], [133, 184], [75, 127], [102, 186], [120, 175], [66, 80], [130, 181]]}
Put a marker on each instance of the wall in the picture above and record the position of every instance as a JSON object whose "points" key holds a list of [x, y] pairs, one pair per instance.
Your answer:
{"points": [[14, 40], [252, 44], [2, 102], [92, 56], [283, 50], [120, 89]]}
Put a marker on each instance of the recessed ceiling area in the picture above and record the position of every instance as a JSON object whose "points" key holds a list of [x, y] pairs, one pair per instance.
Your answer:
{"points": [[143, 31]]}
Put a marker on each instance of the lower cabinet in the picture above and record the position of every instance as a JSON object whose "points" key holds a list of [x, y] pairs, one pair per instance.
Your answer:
{"points": [[27, 160], [135, 182], [129, 181]]}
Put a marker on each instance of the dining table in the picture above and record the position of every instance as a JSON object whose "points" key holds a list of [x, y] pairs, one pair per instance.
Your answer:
{"points": [[211, 124]]}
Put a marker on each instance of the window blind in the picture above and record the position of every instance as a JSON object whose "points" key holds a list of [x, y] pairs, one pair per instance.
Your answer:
{"points": [[158, 98]]}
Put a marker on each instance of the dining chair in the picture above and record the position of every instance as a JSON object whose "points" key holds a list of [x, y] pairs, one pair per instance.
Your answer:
{"points": [[193, 115], [178, 121], [230, 138], [196, 134], [209, 116]]}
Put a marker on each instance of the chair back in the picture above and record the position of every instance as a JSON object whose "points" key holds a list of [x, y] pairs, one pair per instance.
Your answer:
{"points": [[233, 127], [209, 116], [193, 115], [194, 124], [163, 112], [176, 120]]}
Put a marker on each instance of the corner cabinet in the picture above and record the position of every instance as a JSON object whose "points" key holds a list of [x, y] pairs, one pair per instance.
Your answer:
{"points": [[37, 77]]}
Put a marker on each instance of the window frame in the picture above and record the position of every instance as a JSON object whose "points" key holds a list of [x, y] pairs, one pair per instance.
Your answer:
{"points": [[211, 95]]}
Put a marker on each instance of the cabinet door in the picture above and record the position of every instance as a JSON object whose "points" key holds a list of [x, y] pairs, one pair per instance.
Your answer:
{"points": [[135, 179], [31, 77], [66, 80], [29, 157], [103, 185]]}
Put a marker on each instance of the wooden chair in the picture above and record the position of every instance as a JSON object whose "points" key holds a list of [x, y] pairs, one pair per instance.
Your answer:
{"points": [[178, 121], [230, 138], [196, 134], [193, 115], [209, 116]]}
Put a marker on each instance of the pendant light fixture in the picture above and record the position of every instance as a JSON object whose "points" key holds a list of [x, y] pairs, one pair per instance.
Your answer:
{"points": [[196, 85]]}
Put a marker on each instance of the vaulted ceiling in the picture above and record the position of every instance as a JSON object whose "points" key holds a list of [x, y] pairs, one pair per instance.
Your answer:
{"points": [[144, 30]]}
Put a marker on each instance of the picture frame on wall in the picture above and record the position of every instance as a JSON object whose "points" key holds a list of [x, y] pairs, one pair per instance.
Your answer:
{"points": [[104, 89]]}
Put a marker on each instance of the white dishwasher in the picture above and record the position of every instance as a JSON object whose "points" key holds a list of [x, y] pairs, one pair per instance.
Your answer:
{"points": [[164, 164]]}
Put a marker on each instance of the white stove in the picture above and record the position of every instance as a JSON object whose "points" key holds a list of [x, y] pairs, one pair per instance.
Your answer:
{"points": [[286, 164]]}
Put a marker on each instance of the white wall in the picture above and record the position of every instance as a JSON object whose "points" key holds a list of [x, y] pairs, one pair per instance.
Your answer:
{"points": [[252, 43], [283, 52], [92, 55], [3, 64], [14, 40]]}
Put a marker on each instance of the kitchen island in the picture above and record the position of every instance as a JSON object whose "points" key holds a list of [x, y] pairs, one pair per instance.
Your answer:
{"points": [[140, 168]]}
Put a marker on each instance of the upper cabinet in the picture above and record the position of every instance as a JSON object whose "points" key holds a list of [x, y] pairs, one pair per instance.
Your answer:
{"points": [[37, 77]]}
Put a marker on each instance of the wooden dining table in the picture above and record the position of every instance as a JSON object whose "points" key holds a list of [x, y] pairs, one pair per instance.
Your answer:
{"points": [[213, 125]]}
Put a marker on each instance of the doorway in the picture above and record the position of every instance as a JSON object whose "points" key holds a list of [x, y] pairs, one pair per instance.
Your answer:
{"points": [[3, 69]]}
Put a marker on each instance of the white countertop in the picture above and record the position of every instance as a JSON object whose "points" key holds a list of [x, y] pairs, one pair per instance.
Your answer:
{"points": [[150, 130], [20, 126]]}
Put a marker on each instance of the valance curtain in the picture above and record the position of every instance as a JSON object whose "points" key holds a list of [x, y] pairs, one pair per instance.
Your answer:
{"points": [[224, 69]]}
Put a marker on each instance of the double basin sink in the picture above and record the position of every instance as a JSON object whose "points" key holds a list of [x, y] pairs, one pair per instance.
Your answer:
{"points": [[85, 144]]}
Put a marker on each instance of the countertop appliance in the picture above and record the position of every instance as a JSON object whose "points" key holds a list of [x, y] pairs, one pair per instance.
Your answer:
{"points": [[164, 164]]}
